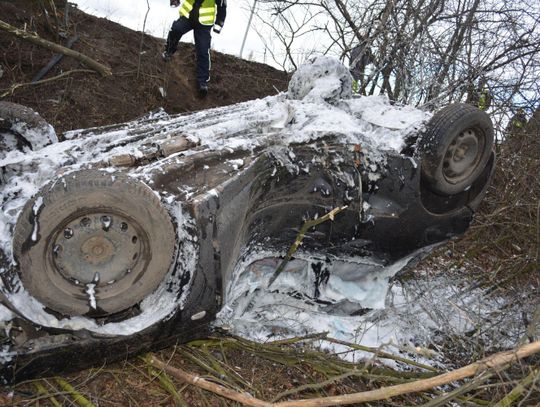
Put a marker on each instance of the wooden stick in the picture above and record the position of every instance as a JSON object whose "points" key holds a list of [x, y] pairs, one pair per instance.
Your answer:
{"points": [[492, 362], [495, 361], [198, 381], [35, 39], [54, 60]]}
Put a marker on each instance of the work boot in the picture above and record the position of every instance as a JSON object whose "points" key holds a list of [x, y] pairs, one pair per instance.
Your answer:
{"points": [[203, 90], [166, 56]]}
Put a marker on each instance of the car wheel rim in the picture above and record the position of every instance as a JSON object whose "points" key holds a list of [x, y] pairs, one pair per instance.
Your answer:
{"points": [[462, 156], [103, 248], [103, 243]]}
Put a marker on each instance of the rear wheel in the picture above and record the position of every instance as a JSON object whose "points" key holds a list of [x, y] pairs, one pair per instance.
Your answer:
{"points": [[93, 243], [455, 148]]}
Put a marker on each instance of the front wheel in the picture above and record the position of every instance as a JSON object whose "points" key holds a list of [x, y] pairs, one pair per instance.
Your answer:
{"points": [[455, 148]]}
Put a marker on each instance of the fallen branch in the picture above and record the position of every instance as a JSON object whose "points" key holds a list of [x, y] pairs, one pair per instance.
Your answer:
{"points": [[493, 362], [35, 39], [198, 381], [13, 88], [54, 60]]}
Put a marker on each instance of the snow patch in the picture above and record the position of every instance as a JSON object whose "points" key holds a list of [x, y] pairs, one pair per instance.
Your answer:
{"points": [[236, 164]]}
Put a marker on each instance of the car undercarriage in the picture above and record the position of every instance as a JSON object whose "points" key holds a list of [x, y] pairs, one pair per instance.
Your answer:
{"points": [[123, 239]]}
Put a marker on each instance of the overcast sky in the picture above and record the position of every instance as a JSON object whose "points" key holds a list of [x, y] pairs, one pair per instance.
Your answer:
{"points": [[161, 16]]}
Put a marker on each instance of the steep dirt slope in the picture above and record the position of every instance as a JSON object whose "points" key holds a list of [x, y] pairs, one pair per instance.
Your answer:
{"points": [[86, 99]]}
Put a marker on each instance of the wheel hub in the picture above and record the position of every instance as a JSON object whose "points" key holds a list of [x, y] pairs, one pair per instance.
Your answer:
{"points": [[99, 248], [462, 156]]}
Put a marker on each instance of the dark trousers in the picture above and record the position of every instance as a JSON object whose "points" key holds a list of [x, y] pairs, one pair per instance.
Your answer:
{"points": [[202, 44]]}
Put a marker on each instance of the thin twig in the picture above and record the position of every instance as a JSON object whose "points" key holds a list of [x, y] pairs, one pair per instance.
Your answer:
{"points": [[300, 237], [446, 398], [142, 38], [43, 392], [16, 86], [520, 388], [168, 385], [317, 386], [381, 354]]}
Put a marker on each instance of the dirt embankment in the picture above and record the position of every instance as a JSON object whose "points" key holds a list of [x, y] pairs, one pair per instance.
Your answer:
{"points": [[86, 99]]}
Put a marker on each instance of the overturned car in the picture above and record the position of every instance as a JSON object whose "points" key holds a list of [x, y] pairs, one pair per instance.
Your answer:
{"points": [[125, 238]]}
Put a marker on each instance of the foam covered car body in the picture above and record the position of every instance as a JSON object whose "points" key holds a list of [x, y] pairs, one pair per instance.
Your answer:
{"points": [[124, 238]]}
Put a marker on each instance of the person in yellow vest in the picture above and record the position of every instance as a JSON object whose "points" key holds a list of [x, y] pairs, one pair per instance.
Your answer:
{"points": [[199, 16]]}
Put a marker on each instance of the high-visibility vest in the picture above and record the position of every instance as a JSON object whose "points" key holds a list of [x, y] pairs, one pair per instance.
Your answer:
{"points": [[207, 12]]}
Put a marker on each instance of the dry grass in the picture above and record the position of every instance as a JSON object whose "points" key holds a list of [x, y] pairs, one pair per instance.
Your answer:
{"points": [[274, 372]]}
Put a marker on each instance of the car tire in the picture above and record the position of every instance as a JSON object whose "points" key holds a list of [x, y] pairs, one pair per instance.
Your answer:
{"points": [[455, 148], [21, 128], [93, 243]]}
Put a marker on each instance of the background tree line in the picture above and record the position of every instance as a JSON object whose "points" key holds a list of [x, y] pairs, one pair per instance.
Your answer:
{"points": [[420, 52]]}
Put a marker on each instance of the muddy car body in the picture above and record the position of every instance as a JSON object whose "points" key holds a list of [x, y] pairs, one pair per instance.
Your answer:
{"points": [[124, 238]]}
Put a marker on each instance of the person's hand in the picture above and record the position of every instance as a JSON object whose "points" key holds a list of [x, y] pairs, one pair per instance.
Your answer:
{"points": [[175, 3], [217, 28]]}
